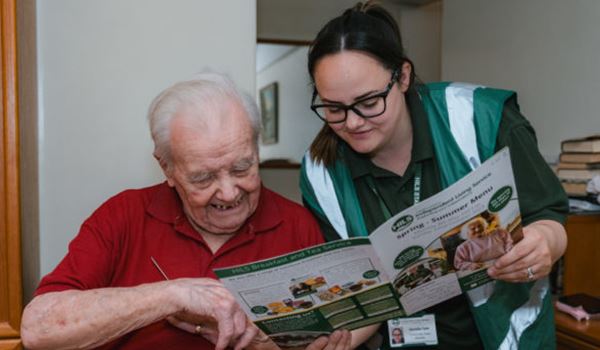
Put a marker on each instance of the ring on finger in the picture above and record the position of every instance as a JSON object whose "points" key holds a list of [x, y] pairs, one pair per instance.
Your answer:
{"points": [[530, 274]]}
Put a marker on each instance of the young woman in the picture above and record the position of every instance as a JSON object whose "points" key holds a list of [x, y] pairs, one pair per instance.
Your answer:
{"points": [[389, 141]]}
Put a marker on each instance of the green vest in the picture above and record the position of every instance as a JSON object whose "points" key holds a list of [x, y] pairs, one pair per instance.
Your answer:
{"points": [[464, 122]]}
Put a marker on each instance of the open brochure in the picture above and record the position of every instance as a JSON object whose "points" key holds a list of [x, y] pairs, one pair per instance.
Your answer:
{"points": [[426, 254]]}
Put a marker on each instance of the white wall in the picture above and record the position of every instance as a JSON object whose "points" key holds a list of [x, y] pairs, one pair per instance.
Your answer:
{"points": [[298, 125], [100, 62], [546, 50]]}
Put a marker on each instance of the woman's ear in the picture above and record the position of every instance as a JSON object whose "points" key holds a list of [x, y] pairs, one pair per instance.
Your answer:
{"points": [[405, 73]]}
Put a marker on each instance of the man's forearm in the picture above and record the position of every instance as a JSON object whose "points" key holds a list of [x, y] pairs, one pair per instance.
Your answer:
{"points": [[84, 319]]}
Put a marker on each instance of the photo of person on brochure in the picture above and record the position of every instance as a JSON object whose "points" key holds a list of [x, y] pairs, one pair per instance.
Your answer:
{"points": [[483, 245]]}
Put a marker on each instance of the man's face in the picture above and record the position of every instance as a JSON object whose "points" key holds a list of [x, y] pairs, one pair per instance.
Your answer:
{"points": [[215, 168]]}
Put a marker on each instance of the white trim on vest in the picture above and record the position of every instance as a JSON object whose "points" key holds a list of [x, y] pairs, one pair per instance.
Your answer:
{"points": [[459, 101], [526, 315], [320, 180]]}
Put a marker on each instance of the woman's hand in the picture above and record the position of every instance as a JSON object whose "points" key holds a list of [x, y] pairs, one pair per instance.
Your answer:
{"points": [[530, 259]]}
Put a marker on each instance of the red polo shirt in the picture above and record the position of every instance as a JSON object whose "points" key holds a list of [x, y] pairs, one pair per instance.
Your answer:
{"points": [[115, 245]]}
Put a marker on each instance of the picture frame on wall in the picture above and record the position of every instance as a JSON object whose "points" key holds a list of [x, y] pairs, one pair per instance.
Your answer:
{"points": [[269, 111]]}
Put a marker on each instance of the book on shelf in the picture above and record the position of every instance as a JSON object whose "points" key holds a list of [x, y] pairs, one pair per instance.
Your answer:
{"points": [[567, 157], [577, 174], [575, 189], [583, 204], [588, 144], [578, 165]]}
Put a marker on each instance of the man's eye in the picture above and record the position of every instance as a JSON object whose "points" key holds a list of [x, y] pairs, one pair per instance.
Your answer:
{"points": [[241, 171], [202, 181], [242, 167]]}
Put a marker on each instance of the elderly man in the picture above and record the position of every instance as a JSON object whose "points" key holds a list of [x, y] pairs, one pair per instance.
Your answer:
{"points": [[139, 273]]}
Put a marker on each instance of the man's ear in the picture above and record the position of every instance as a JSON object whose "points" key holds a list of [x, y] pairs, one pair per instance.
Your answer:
{"points": [[405, 73], [165, 168]]}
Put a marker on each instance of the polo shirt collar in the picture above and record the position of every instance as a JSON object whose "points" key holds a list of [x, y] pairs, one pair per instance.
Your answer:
{"points": [[165, 205], [361, 165], [267, 214]]}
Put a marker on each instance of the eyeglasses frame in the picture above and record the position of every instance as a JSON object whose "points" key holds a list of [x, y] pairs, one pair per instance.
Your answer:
{"points": [[352, 107]]}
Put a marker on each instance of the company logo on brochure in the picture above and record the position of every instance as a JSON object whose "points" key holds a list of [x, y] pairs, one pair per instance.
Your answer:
{"points": [[402, 223]]}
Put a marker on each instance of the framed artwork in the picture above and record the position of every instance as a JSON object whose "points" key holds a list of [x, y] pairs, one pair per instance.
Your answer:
{"points": [[269, 113]]}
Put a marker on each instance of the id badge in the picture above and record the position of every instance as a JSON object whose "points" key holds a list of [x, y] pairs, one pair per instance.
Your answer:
{"points": [[412, 331]]}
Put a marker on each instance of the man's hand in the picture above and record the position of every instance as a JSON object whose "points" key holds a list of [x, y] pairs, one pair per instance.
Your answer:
{"points": [[208, 308], [260, 341]]}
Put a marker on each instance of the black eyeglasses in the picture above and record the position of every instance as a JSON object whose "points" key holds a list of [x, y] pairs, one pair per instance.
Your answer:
{"points": [[368, 107]]}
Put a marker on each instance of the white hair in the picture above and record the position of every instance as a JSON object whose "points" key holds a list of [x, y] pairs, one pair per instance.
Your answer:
{"points": [[202, 92]]}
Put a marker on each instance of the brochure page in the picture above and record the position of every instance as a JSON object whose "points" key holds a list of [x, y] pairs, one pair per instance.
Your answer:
{"points": [[424, 255], [442, 246], [297, 297]]}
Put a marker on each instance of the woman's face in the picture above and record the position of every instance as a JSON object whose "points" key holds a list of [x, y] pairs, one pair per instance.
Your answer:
{"points": [[349, 76]]}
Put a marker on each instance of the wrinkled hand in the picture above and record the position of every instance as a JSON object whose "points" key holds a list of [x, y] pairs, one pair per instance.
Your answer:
{"points": [[542, 244], [207, 303], [338, 340]]}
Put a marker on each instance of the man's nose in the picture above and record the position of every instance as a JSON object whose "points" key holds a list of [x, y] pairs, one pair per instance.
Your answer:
{"points": [[228, 190]]}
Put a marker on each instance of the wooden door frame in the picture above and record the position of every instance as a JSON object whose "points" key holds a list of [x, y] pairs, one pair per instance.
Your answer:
{"points": [[10, 227]]}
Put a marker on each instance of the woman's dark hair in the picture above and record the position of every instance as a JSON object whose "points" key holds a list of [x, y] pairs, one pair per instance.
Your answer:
{"points": [[365, 27]]}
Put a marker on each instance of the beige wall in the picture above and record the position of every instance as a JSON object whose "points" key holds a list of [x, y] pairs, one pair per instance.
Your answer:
{"points": [[283, 181], [546, 50], [100, 62], [421, 32], [296, 20]]}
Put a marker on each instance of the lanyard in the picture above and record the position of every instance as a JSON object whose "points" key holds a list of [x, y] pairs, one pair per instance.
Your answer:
{"points": [[416, 191]]}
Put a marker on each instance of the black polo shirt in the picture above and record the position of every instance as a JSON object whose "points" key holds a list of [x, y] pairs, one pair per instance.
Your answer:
{"points": [[540, 197]]}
